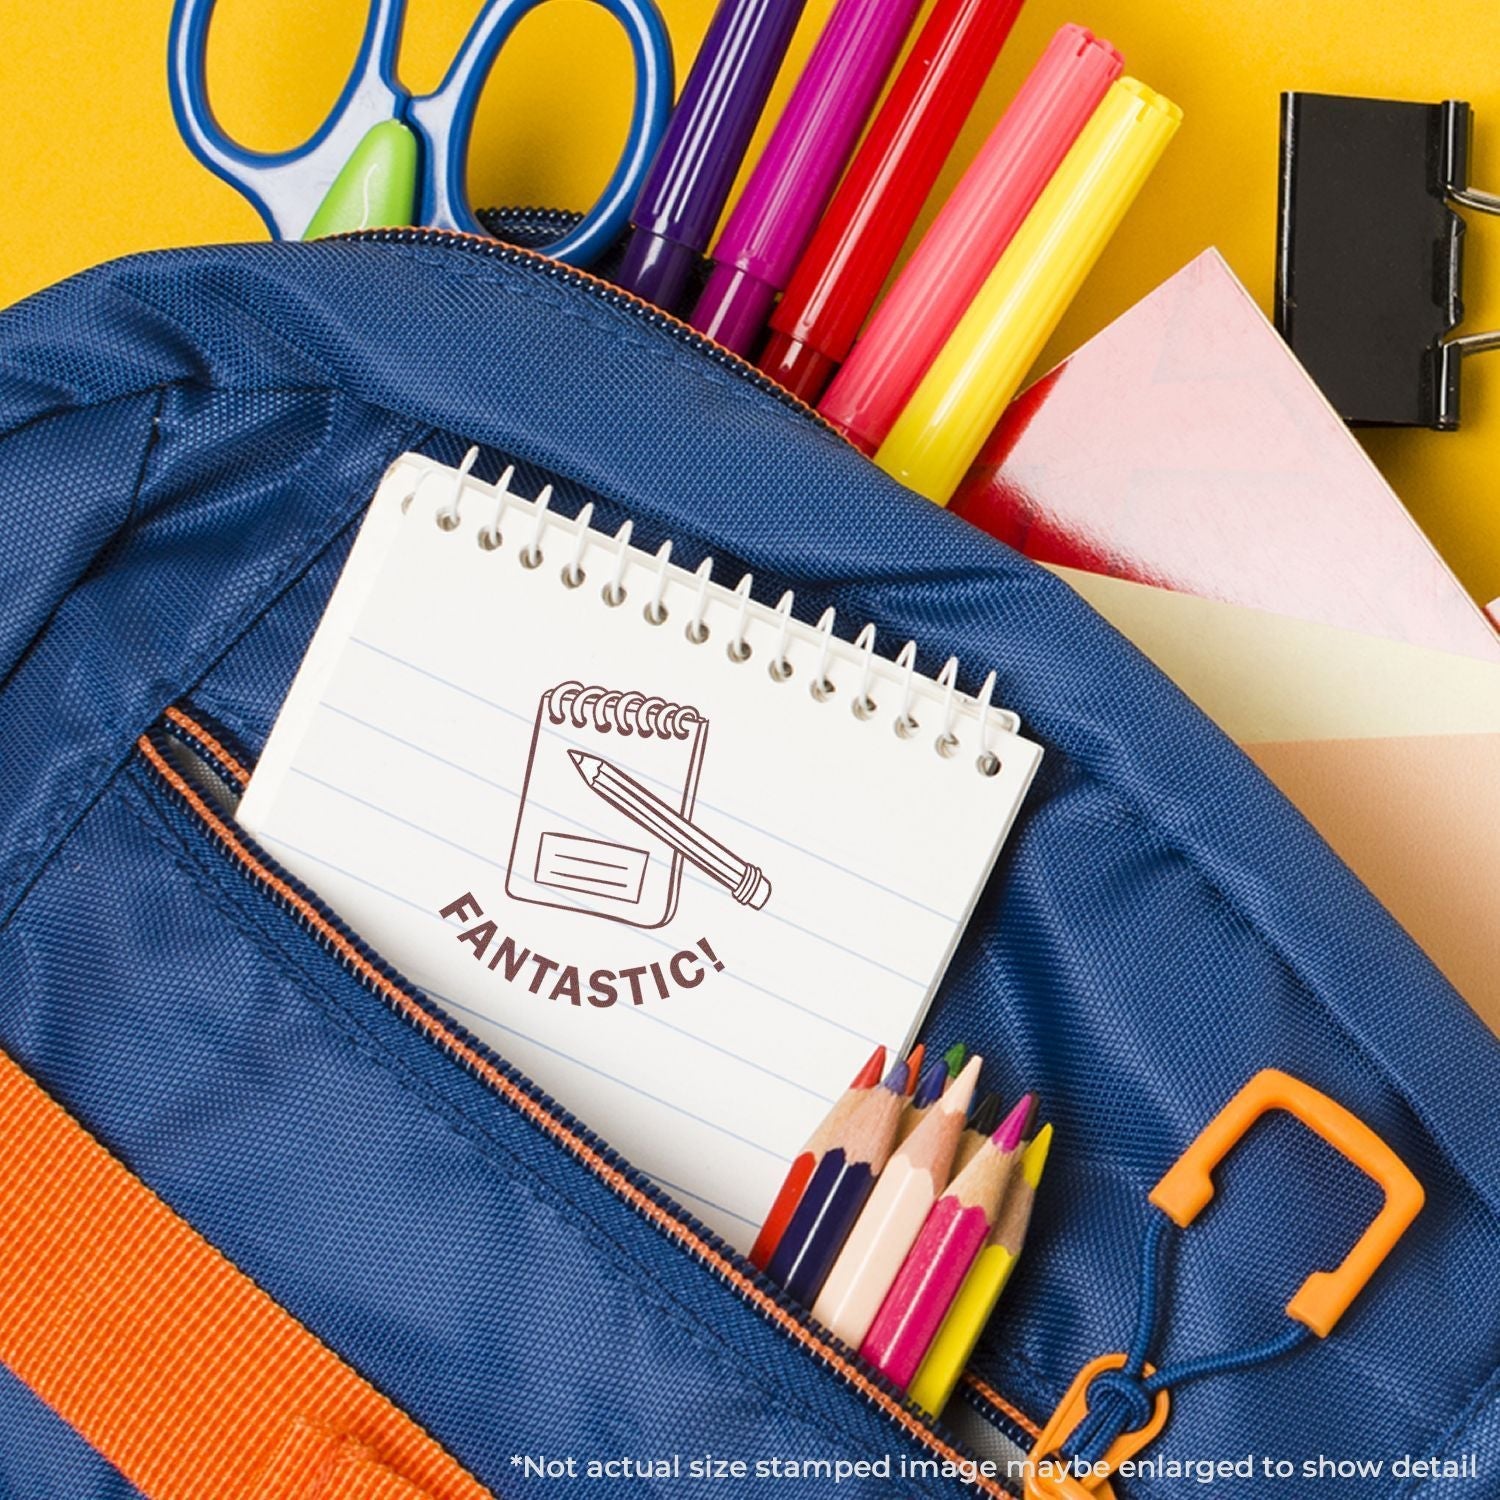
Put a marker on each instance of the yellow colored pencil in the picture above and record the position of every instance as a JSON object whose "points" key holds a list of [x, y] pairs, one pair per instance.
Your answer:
{"points": [[976, 1299], [942, 428]]}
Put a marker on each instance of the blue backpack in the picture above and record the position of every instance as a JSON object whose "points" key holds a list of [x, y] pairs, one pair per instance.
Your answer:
{"points": [[189, 439]]}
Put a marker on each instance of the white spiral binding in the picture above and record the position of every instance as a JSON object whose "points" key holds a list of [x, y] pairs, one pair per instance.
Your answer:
{"points": [[738, 647], [633, 712]]}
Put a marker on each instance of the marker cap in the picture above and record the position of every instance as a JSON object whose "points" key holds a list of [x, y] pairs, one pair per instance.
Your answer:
{"points": [[657, 268], [732, 310], [958, 401], [801, 368], [969, 235]]}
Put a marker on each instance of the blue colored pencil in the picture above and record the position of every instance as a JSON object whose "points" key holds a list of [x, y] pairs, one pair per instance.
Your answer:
{"points": [[839, 1188], [929, 1090]]}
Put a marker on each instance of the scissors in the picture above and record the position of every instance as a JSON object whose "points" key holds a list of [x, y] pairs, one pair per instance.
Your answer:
{"points": [[387, 157]]}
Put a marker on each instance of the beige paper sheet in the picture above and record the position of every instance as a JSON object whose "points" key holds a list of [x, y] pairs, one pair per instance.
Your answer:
{"points": [[1392, 752]]}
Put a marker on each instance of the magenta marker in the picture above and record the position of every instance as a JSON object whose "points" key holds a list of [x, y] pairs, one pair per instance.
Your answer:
{"points": [[792, 182]]}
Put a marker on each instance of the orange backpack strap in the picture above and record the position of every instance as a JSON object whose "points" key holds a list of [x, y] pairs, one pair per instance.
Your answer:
{"points": [[172, 1363]]}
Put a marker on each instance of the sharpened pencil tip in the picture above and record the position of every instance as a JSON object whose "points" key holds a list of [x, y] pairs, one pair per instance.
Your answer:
{"points": [[586, 765], [914, 1065], [1034, 1157], [895, 1080], [931, 1084], [869, 1075], [986, 1114], [961, 1091], [1008, 1136], [954, 1058]]}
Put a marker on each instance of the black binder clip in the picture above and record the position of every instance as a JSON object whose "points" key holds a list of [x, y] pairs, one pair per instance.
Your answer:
{"points": [[1369, 253]]}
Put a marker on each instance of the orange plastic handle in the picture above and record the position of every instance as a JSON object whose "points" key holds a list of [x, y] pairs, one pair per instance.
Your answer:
{"points": [[1071, 1410], [1322, 1299]]}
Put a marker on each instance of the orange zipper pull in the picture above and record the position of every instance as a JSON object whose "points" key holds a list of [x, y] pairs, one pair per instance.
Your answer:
{"points": [[1053, 1477], [1130, 1397]]}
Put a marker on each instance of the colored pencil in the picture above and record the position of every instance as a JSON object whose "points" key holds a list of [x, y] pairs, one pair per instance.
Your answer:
{"points": [[838, 1189], [799, 1174], [928, 1091], [894, 1216], [950, 1240], [981, 1126], [955, 1057], [983, 1285], [914, 1066]]}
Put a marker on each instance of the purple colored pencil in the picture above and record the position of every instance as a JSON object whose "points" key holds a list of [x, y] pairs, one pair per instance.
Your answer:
{"points": [[931, 1084], [706, 140], [929, 1089], [792, 182]]}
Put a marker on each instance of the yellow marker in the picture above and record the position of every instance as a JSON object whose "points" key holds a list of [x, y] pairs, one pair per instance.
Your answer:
{"points": [[981, 1289], [942, 428]]}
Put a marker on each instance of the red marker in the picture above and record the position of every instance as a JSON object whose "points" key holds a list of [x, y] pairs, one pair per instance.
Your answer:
{"points": [[846, 263], [969, 235]]}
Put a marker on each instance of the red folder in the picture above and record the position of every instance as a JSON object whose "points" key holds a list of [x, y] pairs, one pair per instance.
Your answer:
{"points": [[1184, 446]]}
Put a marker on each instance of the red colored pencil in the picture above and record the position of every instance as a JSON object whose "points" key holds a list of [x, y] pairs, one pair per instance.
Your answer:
{"points": [[805, 1163]]}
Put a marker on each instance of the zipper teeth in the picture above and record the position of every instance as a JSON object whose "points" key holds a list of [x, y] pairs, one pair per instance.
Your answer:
{"points": [[998, 1411], [637, 1191], [606, 291], [229, 768]]}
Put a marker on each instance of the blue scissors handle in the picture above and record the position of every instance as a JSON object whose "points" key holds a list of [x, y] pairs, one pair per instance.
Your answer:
{"points": [[444, 122], [287, 187]]}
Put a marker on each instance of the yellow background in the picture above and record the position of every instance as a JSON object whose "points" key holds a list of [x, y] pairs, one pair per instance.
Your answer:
{"points": [[95, 167]]}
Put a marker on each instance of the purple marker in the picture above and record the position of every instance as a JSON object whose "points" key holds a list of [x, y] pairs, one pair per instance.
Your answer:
{"points": [[700, 154], [791, 183]]}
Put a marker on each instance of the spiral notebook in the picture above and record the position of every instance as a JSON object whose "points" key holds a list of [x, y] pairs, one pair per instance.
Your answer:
{"points": [[679, 856]]}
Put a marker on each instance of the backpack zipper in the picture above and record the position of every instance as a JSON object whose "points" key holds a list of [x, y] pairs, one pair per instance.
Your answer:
{"points": [[556, 220], [624, 1180]]}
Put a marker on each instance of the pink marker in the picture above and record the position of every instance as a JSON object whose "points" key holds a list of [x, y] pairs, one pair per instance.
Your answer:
{"points": [[966, 239], [955, 1232], [795, 176]]}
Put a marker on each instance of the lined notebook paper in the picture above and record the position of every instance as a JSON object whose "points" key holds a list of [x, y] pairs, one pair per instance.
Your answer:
{"points": [[668, 850]]}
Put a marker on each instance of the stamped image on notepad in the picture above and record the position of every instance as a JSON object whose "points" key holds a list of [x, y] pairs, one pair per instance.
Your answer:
{"points": [[681, 859], [590, 836]]}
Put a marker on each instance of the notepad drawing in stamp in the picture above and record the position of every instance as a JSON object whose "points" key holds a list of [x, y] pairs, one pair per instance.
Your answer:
{"points": [[606, 822]]}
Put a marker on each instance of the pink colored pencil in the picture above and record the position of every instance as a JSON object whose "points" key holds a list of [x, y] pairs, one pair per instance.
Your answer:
{"points": [[954, 1233]]}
